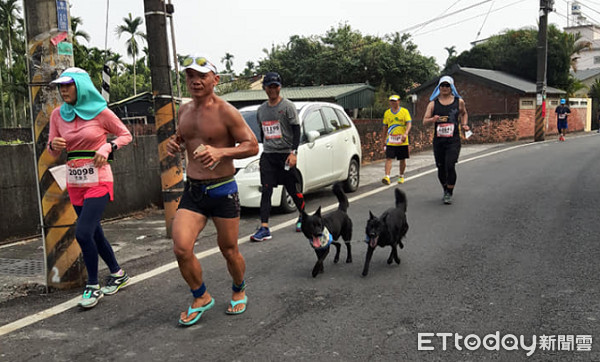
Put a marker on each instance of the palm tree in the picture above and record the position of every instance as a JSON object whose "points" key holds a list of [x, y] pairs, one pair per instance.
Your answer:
{"points": [[75, 22], [227, 59], [574, 45], [9, 15], [131, 27]]}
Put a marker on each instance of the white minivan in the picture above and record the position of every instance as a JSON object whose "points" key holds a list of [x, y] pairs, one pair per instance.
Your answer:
{"points": [[329, 152]]}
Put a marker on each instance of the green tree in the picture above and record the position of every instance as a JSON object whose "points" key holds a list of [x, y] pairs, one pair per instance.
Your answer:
{"points": [[515, 52], [228, 61], [343, 55], [250, 69], [9, 18], [131, 28]]}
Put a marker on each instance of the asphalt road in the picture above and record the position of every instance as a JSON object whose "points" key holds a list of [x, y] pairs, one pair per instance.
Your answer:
{"points": [[516, 255]]}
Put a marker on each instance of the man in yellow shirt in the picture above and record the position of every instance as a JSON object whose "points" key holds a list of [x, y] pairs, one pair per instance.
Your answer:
{"points": [[396, 125]]}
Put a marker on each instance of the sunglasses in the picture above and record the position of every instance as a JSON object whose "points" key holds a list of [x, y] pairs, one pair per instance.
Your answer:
{"points": [[445, 85], [189, 60]]}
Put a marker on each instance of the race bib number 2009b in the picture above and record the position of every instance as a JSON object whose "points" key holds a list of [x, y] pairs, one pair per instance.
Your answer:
{"points": [[82, 173]]}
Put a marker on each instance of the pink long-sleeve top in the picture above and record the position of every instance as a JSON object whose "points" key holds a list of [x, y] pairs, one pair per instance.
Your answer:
{"points": [[90, 135]]}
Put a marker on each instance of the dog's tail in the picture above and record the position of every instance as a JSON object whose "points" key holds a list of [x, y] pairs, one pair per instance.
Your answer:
{"points": [[400, 199], [341, 196]]}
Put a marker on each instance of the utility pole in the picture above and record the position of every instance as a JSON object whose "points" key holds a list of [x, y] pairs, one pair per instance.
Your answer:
{"points": [[542, 61], [50, 51], [170, 167]]}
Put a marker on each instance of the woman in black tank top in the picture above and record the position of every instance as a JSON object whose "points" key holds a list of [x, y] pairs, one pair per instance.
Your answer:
{"points": [[448, 113]]}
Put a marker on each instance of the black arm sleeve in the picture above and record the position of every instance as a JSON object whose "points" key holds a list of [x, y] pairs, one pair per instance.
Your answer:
{"points": [[296, 138]]}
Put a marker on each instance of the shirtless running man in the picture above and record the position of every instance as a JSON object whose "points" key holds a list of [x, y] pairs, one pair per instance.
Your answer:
{"points": [[210, 189]]}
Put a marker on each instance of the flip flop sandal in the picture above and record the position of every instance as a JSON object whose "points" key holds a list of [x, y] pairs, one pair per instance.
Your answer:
{"points": [[200, 311], [236, 302]]}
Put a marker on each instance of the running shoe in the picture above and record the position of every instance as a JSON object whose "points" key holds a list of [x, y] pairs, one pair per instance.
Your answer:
{"points": [[386, 180], [447, 198], [91, 296], [261, 234], [561, 138], [113, 284], [299, 224], [400, 180]]}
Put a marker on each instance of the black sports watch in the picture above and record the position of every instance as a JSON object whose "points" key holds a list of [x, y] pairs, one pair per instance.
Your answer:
{"points": [[294, 152], [114, 146]]}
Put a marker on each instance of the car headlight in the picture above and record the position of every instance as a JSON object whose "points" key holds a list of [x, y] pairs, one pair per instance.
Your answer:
{"points": [[253, 167]]}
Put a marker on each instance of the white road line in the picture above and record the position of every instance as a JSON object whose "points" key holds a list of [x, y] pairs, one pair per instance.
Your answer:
{"points": [[50, 312]]}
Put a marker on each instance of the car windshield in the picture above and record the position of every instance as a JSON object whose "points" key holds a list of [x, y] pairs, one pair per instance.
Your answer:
{"points": [[250, 118]]}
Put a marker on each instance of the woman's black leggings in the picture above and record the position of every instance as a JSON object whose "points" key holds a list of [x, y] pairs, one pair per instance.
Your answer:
{"points": [[90, 236], [446, 156]]}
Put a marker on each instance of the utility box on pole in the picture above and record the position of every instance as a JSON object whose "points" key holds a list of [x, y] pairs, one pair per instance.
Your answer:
{"points": [[164, 106], [50, 51]]}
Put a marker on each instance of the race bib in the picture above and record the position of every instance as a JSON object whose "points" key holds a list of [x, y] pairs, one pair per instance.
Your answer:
{"points": [[562, 116], [271, 129], [395, 140], [445, 129], [82, 173]]}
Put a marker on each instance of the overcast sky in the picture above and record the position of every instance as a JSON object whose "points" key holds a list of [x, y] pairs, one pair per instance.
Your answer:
{"points": [[244, 28]]}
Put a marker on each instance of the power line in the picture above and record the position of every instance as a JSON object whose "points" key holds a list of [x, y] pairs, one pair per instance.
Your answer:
{"points": [[439, 16], [474, 17], [484, 20], [407, 30]]}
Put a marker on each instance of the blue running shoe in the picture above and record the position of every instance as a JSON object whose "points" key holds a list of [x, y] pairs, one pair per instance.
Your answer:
{"points": [[261, 234], [299, 224]]}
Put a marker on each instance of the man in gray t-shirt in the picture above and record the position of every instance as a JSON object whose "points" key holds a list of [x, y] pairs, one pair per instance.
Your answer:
{"points": [[280, 135], [276, 123]]}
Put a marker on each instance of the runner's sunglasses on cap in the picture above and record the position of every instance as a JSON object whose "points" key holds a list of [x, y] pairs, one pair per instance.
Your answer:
{"points": [[200, 64]]}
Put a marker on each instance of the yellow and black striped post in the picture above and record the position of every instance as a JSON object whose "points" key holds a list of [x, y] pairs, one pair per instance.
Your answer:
{"points": [[158, 46], [50, 52], [540, 124]]}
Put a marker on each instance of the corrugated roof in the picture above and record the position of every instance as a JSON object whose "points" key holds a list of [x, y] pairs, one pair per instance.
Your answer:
{"points": [[508, 80], [587, 74], [346, 95]]}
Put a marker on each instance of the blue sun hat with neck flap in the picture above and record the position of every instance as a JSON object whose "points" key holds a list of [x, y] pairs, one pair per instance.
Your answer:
{"points": [[445, 79], [89, 101]]}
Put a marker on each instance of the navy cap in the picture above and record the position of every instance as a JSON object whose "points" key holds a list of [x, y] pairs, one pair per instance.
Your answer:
{"points": [[271, 78]]}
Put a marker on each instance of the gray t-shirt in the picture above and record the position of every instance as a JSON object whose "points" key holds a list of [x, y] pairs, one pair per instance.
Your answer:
{"points": [[276, 123]]}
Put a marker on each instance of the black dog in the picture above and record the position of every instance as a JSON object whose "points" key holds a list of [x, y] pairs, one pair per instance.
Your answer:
{"points": [[389, 229], [322, 231]]}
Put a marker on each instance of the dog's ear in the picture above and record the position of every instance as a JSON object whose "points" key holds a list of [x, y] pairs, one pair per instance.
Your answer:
{"points": [[371, 216], [318, 212]]}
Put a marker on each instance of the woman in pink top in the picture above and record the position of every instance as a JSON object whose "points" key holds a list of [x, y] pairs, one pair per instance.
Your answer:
{"points": [[80, 127]]}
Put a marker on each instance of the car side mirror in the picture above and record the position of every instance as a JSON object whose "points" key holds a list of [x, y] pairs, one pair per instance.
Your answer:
{"points": [[312, 136]]}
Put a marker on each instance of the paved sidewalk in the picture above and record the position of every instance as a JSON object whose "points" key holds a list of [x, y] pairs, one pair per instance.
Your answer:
{"points": [[143, 234]]}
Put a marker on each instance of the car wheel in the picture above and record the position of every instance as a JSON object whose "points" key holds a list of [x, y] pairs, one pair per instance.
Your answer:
{"points": [[351, 183], [287, 203]]}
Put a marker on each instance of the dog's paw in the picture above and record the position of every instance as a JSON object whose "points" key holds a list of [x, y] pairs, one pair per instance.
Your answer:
{"points": [[348, 260]]}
